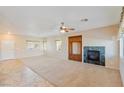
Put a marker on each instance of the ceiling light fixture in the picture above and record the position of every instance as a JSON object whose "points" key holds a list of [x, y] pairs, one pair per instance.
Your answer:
{"points": [[62, 31], [64, 28]]}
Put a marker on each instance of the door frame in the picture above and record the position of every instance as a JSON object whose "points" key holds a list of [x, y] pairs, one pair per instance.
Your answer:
{"points": [[71, 50]]}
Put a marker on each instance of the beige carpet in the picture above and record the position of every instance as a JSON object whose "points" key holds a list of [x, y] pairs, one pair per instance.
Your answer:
{"points": [[69, 73], [14, 73]]}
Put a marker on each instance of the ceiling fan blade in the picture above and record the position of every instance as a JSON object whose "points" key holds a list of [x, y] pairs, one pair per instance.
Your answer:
{"points": [[61, 28], [71, 28], [66, 29]]}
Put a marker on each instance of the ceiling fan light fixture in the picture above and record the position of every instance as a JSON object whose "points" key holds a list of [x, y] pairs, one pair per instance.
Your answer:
{"points": [[62, 31]]}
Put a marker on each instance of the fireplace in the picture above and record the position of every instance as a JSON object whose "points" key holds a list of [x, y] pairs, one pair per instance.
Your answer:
{"points": [[94, 55]]}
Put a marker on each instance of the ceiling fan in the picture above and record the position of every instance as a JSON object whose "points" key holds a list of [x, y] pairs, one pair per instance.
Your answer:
{"points": [[64, 29]]}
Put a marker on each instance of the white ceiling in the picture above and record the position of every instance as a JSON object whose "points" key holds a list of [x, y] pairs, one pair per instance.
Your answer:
{"points": [[45, 21]]}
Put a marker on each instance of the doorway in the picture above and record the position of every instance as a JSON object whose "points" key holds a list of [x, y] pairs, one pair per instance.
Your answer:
{"points": [[7, 49], [75, 48]]}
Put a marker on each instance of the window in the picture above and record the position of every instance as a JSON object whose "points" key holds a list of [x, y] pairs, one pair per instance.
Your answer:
{"points": [[33, 45], [44, 46], [7, 49], [58, 45]]}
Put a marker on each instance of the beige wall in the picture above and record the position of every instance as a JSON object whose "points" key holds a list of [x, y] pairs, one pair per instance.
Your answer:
{"points": [[20, 45], [105, 36], [51, 48]]}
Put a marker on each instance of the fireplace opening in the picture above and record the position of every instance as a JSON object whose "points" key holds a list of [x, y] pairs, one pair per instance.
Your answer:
{"points": [[93, 55]]}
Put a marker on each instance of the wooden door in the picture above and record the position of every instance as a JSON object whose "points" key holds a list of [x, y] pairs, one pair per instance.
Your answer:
{"points": [[75, 48]]}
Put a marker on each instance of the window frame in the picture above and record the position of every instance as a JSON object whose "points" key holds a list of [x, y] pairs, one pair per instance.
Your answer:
{"points": [[58, 47], [36, 45]]}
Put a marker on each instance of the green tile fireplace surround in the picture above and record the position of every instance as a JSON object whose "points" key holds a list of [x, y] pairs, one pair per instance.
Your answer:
{"points": [[94, 55]]}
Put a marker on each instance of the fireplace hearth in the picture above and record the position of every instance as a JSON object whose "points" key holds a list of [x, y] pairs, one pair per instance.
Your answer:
{"points": [[94, 55]]}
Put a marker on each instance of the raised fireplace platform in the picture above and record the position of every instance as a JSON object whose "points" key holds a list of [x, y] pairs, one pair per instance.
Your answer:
{"points": [[94, 55]]}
